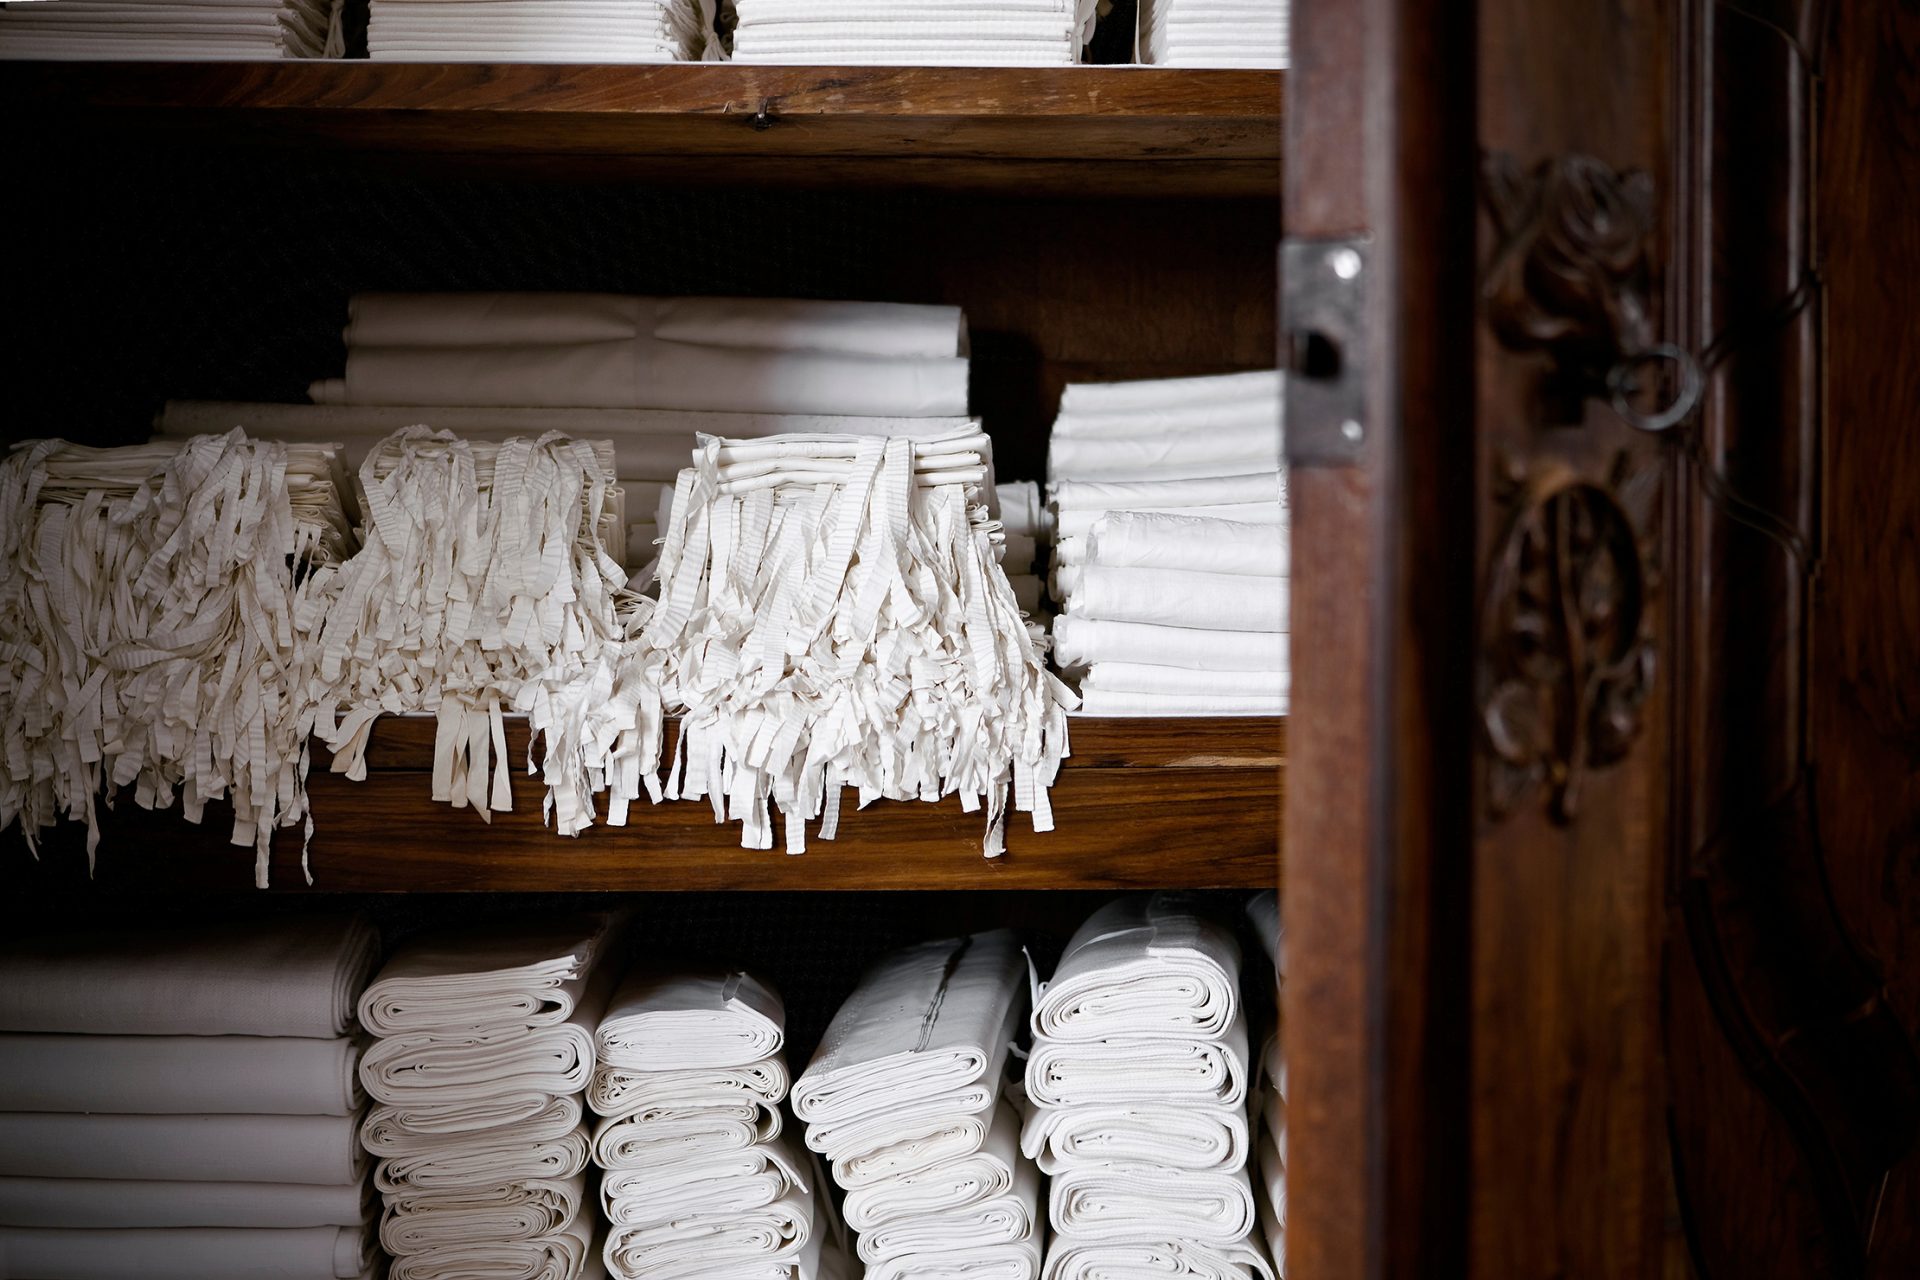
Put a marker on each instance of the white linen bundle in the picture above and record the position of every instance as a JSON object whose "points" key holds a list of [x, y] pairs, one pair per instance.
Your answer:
{"points": [[968, 33], [539, 30], [531, 974], [1251, 34], [666, 1021], [198, 574], [173, 30], [1139, 1083], [483, 582]]}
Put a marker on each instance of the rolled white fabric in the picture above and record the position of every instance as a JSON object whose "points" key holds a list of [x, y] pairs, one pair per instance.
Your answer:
{"points": [[510, 1213], [1171, 393], [186, 1253], [622, 1091], [1080, 642], [983, 1262], [955, 1138], [1012, 1217], [1114, 1203], [485, 1163], [1160, 495], [1176, 682], [944, 1188], [896, 1126], [1161, 458], [1102, 702], [179, 1075], [1204, 1138], [286, 976], [554, 1119], [1079, 523], [451, 1067], [315, 1149], [1073, 1259], [660, 1021], [1181, 598], [531, 975], [645, 1138], [1143, 966], [896, 330], [1151, 539], [561, 1255], [1140, 1069], [717, 1245], [116, 1203], [924, 1022], [717, 1186]]}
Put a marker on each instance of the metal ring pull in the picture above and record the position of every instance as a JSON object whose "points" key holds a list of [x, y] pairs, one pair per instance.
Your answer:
{"points": [[1625, 380]]}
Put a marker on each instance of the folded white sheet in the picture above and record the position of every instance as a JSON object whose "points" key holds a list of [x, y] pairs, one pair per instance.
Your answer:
{"points": [[1178, 682], [897, 1127], [660, 1021], [1209, 1139], [736, 1243], [186, 1253], [1101, 702], [896, 330], [527, 974], [467, 1165], [924, 1022], [1143, 965], [982, 1262], [954, 1138], [1155, 495], [1079, 524], [392, 1126], [1152, 1260], [316, 1149], [510, 1213], [1140, 1069], [381, 1135], [1150, 539], [1181, 598], [714, 1186], [1010, 1218], [1124, 1203], [945, 1188], [450, 1067], [1082, 641], [622, 1091], [643, 1139], [286, 976], [112, 1203], [1234, 418], [561, 1255], [1171, 393], [180, 1075], [1165, 458]]}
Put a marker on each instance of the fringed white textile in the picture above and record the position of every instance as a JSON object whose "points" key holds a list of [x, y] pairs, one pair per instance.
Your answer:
{"points": [[160, 606]]}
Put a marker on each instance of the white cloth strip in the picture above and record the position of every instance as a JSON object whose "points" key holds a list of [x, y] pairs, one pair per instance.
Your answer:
{"points": [[1208, 1139], [186, 1253], [551, 1122], [1010, 1218], [1143, 966], [1181, 598], [945, 1188], [467, 1165], [1207, 1072], [287, 976], [510, 1213], [1100, 702], [1156, 540], [621, 1091], [530, 974], [1176, 682], [645, 1139], [1122, 1203], [720, 1186], [117, 1203], [564, 1254], [1080, 524], [324, 1150], [1075, 1259], [1078, 642], [179, 1075]]}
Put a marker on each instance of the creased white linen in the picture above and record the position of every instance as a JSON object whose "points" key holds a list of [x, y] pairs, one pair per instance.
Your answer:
{"points": [[1113, 1203], [179, 1075], [1102, 702], [944, 1188], [1079, 524], [560, 1255], [530, 973], [1143, 966], [553, 1118], [623, 1091], [1153, 1260], [1215, 33], [485, 1162], [186, 1253], [1144, 538], [1171, 394], [1136, 1069], [391, 1127], [1159, 495], [1178, 597], [1175, 1136], [1009, 1218], [717, 1185], [982, 1262], [746, 1239], [952, 1138], [661, 1020], [457, 1066], [1178, 682], [1082, 641], [644, 1138], [113, 1203], [314, 1149], [510, 1213], [1164, 458]]}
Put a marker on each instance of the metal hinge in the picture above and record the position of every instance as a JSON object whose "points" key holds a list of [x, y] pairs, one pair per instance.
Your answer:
{"points": [[1323, 347]]}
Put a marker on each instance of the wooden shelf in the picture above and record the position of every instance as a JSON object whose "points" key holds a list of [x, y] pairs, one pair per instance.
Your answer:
{"points": [[1067, 130], [1141, 804]]}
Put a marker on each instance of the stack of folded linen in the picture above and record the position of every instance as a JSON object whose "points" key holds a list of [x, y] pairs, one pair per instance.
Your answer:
{"points": [[176, 561], [1215, 33], [173, 30], [539, 30], [696, 1178], [904, 1097], [1023, 520], [964, 33], [485, 1046], [1138, 1080], [1171, 551], [178, 1104], [1270, 1096]]}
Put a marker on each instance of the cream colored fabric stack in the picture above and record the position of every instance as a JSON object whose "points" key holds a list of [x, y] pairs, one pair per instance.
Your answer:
{"points": [[172, 30], [162, 606], [1216, 33], [597, 31], [184, 1104]]}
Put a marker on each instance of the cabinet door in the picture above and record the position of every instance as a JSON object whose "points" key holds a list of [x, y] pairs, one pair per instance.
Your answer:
{"points": [[1477, 817]]}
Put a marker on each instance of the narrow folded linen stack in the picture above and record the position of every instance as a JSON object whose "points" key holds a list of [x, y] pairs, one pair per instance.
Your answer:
{"points": [[1171, 550], [954, 33], [539, 30], [486, 1042], [199, 573], [696, 1176], [173, 30], [1269, 1109], [728, 355], [904, 1097], [1138, 1080], [184, 1104], [1215, 33]]}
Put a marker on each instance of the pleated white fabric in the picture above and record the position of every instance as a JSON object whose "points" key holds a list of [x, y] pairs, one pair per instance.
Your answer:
{"points": [[180, 1075]]}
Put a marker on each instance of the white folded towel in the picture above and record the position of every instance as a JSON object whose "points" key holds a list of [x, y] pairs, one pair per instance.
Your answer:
{"points": [[643, 1139], [945, 1188], [660, 1021], [1143, 965], [317, 1149], [555, 1118], [1140, 1069], [1078, 642], [924, 1022], [1103, 702], [1181, 598], [703, 1246], [1179, 682], [528, 974], [179, 1075], [622, 1091], [1011, 1218], [983, 1262], [285, 976], [954, 1138], [508, 1213], [1073, 1259], [897, 1127], [561, 1255], [1120, 1203], [1171, 393], [186, 1253], [466, 1165], [1147, 538], [112, 1203], [1209, 1139]]}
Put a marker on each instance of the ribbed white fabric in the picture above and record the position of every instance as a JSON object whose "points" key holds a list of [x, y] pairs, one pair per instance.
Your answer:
{"points": [[187, 1253], [1010, 1218], [1153, 1260], [530, 973], [285, 976], [1141, 967], [511, 1213], [552, 1119], [945, 1188], [173, 30], [678, 1021], [114, 1203], [1175, 1136], [564, 1254], [718, 1185], [412, 1126], [623, 1091], [1082, 641], [1160, 495], [179, 1075], [1215, 33], [322, 1150]]}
